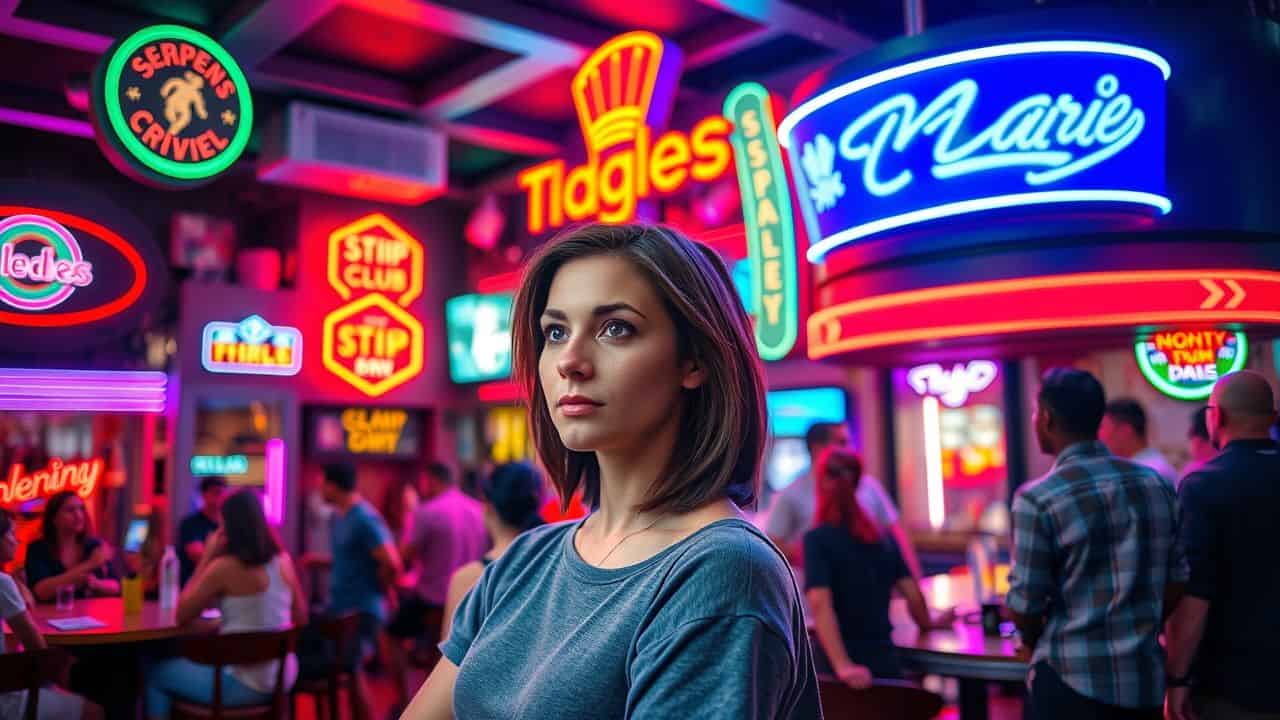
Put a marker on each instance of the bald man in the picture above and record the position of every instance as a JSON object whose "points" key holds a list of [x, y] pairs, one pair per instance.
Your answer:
{"points": [[1224, 636]]}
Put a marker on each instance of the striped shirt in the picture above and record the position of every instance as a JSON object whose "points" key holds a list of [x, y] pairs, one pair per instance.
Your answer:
{"points": [[1095, 543]]}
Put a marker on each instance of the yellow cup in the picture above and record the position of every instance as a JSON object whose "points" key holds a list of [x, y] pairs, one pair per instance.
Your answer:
{"points": [[131, 589]]}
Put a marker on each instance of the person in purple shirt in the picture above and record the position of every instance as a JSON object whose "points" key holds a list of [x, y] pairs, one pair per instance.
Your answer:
{"points": [[446, 532]]}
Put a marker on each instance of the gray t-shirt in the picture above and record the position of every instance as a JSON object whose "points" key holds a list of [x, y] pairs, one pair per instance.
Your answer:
{"points": [[710, 627]]}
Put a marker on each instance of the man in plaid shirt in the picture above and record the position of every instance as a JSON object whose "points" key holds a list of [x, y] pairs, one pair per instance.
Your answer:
{"points": [[1095, 555]]}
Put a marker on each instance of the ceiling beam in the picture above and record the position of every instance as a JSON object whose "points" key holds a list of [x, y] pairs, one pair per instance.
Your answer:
{"points": [[508, 133], [723, 40], [793, 20], [270, 27], [453, 101], [335, 81], [49, 33]]}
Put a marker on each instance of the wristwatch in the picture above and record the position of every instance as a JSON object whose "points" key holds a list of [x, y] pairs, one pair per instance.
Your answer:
{"points": [[1177, 682]]}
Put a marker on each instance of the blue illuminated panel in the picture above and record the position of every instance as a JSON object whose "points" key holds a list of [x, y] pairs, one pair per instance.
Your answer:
{"points": [[1022, 124], [479, 332], [791, 412]]}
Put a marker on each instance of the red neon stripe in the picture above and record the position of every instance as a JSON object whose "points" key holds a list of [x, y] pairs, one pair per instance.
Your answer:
{"points": [[504, 282], [1080, 300], [101, 312], [502, 391]]}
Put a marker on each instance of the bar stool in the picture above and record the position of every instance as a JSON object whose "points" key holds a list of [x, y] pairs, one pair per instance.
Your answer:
{"points": [[429, 655], [341, 632], [884, 700]]}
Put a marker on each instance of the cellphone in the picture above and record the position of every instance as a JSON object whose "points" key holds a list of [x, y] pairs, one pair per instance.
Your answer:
{"points": [[135, 535]]}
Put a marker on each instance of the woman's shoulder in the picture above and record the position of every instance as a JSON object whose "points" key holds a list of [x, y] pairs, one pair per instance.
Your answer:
{"points": [[731, 568], [539, 543]]}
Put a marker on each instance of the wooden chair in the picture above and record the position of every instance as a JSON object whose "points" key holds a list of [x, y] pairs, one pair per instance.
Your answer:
{"points": [[341, 632], [887, 699], [32, 670], [220, 651]]}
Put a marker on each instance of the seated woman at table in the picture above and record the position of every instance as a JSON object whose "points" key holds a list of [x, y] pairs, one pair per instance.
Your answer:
{"points": [[67, 553], [850, 570], [252, 581], [14, 599]]}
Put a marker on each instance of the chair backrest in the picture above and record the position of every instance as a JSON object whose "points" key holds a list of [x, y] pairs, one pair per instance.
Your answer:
{"points": [[341, 630], [887, 699], [30, 671], [242, 649]]}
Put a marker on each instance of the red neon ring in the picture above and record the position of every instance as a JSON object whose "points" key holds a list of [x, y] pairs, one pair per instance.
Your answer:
{"points": [[82, 317]]}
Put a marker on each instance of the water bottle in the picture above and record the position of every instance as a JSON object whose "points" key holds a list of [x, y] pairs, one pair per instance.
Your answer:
{"points": [[169, 578], [979, 569]]}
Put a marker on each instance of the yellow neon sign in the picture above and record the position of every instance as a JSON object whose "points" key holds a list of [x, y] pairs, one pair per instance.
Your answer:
{"points": [[623, 93]]}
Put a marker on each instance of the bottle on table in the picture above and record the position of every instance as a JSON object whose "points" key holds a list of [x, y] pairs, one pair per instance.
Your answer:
{"points": [[169, 578]]}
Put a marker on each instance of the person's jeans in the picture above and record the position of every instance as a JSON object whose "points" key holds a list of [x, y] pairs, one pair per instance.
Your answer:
{"points": [[1052, 699], [181, 678]]}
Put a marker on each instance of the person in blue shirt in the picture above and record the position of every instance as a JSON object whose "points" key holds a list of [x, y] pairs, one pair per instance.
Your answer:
{"points": [[645, 390], [365, 567]]}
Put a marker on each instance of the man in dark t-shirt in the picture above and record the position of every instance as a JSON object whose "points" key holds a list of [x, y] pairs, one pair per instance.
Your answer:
{"points": [[197, 526], [1223, 636]]}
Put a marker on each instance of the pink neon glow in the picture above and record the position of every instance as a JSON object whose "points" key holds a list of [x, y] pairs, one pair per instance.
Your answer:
{"points": [[38, 390], [273, 504]]}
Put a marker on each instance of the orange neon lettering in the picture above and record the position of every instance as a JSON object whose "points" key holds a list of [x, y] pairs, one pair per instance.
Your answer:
{"points": [[81, 476], [543, 183], [710, 142], [618, 187], [581, 193], [139, 118], [670, 165]]}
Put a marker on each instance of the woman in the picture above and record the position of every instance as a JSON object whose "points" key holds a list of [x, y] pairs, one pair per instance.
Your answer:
{"points": [[512, 498], [644, 390], [14, 601], [67, 553], [850, 570], [252, 581]]}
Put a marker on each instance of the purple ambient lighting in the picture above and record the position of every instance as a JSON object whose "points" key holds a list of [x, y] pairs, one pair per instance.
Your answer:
{"points": [[32, 390]]}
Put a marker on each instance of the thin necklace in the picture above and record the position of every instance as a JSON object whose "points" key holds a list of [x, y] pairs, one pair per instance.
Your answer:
{"points": [[627, 537]]}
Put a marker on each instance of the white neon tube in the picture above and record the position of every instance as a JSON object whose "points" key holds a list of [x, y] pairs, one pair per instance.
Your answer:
{"points": [[933, 463]]}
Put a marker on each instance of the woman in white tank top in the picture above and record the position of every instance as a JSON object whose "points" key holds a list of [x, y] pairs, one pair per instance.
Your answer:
{"points": [[252, 581]]}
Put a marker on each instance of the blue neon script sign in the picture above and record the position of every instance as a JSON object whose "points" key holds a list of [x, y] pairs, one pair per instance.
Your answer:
{"points": [[1031, 123]]}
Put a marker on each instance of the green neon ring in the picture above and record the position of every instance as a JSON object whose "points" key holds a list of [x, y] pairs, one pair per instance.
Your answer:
{"points": [[60, 251], [1182, 393], [790, 327], [143, 154]]}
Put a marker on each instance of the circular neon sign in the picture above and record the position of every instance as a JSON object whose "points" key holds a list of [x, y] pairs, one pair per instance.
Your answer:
{"points": [[171, 106], [40, 263], [1185, 364]]}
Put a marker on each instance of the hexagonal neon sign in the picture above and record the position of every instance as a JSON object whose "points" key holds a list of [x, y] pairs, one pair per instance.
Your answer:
{"points": [[375, 255], [372, 344]]}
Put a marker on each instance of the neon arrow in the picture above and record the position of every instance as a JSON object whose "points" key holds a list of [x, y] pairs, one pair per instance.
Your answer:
{"points": [[1215, 294], [1238, 297]]}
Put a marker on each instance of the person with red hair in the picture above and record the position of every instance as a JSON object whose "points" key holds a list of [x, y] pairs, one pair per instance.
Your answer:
{"points": [[850, 570]]}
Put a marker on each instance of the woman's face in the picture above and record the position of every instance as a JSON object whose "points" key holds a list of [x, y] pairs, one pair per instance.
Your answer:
{"points": [[609, 366], [71, 516], [8, 545]]}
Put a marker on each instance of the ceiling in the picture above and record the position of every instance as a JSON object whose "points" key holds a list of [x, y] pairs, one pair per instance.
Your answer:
{"points": [[493, 74]]}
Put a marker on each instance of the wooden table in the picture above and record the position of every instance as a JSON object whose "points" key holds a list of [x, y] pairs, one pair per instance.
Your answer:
{"points": [[963, 652], [153, 623]]}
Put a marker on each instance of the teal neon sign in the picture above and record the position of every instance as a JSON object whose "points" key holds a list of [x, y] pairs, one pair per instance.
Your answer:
{"points": [[202, 465], [766, 210]]}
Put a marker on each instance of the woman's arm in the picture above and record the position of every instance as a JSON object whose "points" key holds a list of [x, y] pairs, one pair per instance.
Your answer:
{"points": [[290, 575], [46, 589], [910, 590], [828, 629], [24, 628], [204, 588], [434, 700], [463, 579]]}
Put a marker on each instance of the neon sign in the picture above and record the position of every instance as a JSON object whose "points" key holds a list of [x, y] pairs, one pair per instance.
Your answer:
{"points": [[1185, 364], [766, 210], [171, 107], [953, 387], [251, 347], [19, 486], [112, 391], [43, 264], [479, 333], [371, 342], [373, 254], [623, 94], [995, 127], [202, 465]]}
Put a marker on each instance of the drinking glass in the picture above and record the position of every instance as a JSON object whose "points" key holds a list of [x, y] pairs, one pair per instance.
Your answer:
{"points": [[66, 599]]}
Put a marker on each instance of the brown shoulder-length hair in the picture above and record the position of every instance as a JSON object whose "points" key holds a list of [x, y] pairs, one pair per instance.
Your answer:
{"points": [[249, 538], [722, 425], [838, 474]]}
